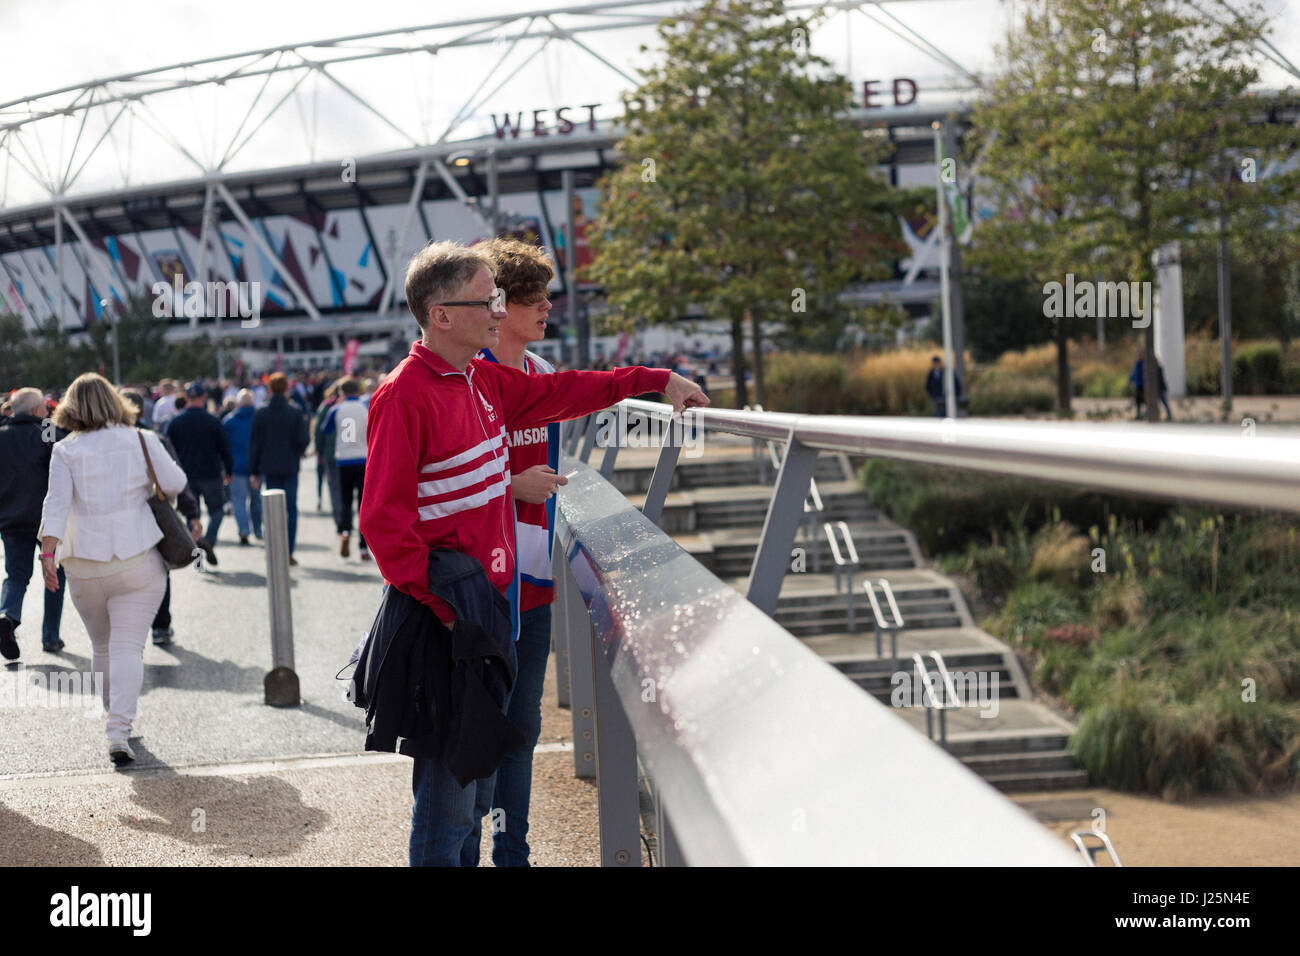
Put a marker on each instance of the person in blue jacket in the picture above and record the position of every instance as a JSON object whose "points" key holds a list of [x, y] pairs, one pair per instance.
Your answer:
{"points": [[246, 503]]}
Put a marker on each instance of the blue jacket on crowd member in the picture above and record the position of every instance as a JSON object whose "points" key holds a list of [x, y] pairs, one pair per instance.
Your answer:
{"points": [[239, 428], [201, 444]]}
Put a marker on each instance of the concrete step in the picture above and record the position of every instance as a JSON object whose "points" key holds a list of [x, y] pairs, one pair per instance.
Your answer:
{"points": [[718, 465], [973, 745], [1030, 762], [819, 621], [1034, 781], [881, 545], [745, 506]]}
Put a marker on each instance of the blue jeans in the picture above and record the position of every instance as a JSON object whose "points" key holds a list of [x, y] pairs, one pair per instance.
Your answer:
{"points": [[289, 485], [20, 557], [447, 819], [515, 775], [247, 503]]}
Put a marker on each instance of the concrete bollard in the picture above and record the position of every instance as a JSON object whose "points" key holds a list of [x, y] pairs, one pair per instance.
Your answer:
{"points": [[281, 684]]}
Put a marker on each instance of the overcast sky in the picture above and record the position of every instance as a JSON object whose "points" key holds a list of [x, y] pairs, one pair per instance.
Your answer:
{"points": [[45, 44]]}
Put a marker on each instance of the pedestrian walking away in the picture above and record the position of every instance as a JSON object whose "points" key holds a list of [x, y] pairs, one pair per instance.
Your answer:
{"points": [[204, 450], [326, 468], [97, 525], [246, 504], [276, 445], [187, 504], [27, 440], [346, 424]]}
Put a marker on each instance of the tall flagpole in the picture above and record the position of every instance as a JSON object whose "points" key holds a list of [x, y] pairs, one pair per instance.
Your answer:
{"points": [[949, 391]]}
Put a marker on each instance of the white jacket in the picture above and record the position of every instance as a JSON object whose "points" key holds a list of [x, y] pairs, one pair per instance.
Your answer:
{"points": [[97, 503]]}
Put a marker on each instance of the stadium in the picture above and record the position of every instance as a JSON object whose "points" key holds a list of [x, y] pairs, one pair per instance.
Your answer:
{"points": [[324, 240]]}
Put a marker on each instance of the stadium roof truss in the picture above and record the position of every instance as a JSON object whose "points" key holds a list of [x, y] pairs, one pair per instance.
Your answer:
{"points": [[154, 115], [110, 116]]}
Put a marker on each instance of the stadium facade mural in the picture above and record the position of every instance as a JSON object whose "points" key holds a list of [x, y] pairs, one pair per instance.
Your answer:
{"points": [[332, 257]]}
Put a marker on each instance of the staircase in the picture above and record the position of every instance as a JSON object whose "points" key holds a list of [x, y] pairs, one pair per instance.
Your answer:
{"points": [[715, 510]]}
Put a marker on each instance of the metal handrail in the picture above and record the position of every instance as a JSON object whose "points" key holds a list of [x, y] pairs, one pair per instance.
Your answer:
{"points": [[845, 562], [1214, 464], [738, 725], [848, 541], [883, 626], [812, 507], [839, 559], [949, 701], [1090, 853]]}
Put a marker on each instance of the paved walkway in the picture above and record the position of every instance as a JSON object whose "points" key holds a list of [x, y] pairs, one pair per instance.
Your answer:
{"points": [[220, 777]]}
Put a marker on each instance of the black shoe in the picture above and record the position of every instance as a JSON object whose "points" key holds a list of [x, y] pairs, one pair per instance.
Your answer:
{"points": [[162, 636], [53, 648], [208, 551], [243, 539], [293, 561], [8, 645]]}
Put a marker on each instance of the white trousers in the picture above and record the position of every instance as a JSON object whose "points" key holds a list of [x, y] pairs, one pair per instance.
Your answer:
{"points": [[118, 611]]}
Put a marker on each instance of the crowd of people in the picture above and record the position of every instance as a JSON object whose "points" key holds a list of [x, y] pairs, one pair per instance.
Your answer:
{"points": [[445, 470], [73, 487]]}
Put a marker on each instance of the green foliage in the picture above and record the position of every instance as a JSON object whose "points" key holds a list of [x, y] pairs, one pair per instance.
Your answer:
{"points": [[1257, 369], [1002, 314], [48, 359], [1010, 394], [1111, 128], [947, 508], [744, 193], [807, 382], [1160, 654]]}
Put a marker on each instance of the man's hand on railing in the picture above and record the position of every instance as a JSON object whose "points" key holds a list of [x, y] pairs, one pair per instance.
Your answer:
{"points": [[536, 484], [684, 393]]}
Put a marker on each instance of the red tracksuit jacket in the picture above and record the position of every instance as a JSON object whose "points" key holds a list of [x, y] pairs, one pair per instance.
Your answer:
{"points": [[437, 463]]}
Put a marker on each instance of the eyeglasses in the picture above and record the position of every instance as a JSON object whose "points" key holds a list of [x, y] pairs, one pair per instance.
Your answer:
{"points": [[495, 304]]}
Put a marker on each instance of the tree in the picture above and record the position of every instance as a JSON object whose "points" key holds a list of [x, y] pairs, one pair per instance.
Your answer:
{"points": [[1108, 135], [744, 194]]}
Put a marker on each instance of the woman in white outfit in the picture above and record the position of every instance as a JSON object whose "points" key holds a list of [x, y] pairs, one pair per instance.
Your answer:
{"points": [[98, 525]]}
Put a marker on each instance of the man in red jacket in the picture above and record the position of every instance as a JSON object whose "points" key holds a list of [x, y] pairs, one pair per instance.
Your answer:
{"points": [[439, 476]]}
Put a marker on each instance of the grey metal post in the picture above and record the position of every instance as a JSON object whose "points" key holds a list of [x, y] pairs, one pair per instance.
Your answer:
{"points": [[852, 628], [607, 463], [955, 305], [110, 310], [670, 849], [814, 543], [581, 693], [660, 482], [618, 795], [58, 265], [784, 514], [589, 442], [577, 322], [494, 193], [577, 428], [1225, 320], [560, 628], [281, 684]]}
